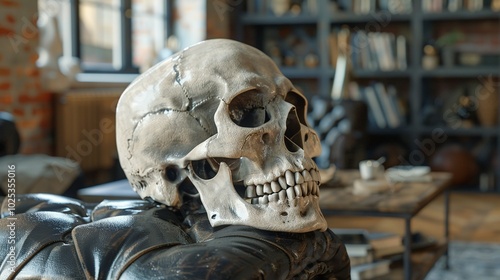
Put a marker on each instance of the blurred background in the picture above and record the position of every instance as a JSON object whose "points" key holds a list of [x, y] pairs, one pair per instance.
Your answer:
{"points": [[415, 82]]}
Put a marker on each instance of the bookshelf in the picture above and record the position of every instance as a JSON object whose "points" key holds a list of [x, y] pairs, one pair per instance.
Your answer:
{"points": [[427, 92]]}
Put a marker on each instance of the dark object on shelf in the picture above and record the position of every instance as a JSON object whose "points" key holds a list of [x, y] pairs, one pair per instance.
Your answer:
{"points": [[457, 160], [467, 111], [341, 126], [433, 115], [460, 109]]}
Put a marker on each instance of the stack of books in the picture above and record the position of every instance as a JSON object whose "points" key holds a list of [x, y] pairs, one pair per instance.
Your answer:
{"points": [[372, 253], [361, 252]]}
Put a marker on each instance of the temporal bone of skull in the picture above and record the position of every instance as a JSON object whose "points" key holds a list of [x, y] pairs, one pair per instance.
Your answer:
{"points": [[231, 124]]}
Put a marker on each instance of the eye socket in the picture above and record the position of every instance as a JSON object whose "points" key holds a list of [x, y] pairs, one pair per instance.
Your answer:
{"points": [[203, 169], [293, 136], [233, 164], [207, 168], [248, 109], [300, 105], [172, 173]]}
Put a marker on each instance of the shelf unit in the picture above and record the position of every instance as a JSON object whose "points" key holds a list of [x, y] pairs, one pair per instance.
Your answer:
{"points": [[420, 24]]}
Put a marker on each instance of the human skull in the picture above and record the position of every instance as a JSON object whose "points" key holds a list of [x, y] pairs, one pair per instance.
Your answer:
{"points": [[221, 115]]}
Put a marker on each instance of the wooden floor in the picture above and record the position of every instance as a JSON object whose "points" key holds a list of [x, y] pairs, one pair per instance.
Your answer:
{"points": [[473, 217]]}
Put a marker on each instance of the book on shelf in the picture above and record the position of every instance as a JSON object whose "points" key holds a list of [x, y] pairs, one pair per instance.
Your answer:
{"points": [[369, 258], [370, 97], [355, 241], [401, 52], [396, 6], [363, 7], [360, 54], [366, 7], [389, 110], [453, 5], [436, 6], [372, 252], [373, 50], [432, 5], [358, 250], [367, 247], [382, 51], [396, 104], [419, 241], [384, 106], [475, 5], [371, 270]]}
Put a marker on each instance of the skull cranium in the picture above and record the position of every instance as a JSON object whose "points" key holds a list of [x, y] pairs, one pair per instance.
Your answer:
{"points": [[221, 115]]}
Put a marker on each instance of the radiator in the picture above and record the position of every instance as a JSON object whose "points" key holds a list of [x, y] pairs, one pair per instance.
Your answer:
{"points": [[85, 127]]}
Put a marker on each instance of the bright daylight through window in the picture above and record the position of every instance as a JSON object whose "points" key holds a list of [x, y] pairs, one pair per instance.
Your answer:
{"points": [[110, 36]]}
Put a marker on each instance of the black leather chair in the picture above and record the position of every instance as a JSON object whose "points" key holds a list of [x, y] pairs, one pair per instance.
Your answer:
{"points": [[10, 143], [9, 135]]}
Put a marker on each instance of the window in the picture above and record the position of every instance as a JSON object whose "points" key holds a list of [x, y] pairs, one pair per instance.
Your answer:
{"points": [[111, 36]]}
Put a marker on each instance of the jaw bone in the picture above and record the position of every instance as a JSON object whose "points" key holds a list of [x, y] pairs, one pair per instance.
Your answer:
{"points": [[226, 207]]}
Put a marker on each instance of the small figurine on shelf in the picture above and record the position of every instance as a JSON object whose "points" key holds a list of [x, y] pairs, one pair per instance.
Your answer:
{"points": [[311, 60], [295, 9], [280, 7], [466, 111], [495, 5], [461, 110], [430, 59]]}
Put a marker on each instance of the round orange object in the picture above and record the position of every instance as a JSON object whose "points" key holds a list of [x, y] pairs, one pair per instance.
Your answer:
{"points": [[457, 160]]}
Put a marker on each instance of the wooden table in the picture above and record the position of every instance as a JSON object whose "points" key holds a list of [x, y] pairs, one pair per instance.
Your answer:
{"points": [[404, 201]]}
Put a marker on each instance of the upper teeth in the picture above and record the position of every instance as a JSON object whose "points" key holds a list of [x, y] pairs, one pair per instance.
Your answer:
{"points": [[290, 185]]}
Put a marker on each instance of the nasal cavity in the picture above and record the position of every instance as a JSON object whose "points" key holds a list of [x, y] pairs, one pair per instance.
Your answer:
{"points": [[293, 137]]}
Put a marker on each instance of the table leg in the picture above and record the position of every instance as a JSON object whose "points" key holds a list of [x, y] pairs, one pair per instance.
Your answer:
{"points": [[407, 252], [447, 227]]}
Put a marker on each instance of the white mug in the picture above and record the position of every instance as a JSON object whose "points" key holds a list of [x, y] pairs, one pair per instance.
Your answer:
{"points": [[370, 169]]}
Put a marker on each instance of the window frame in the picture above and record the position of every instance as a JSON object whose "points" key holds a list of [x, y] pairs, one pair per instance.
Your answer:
{"points": [[127, 66]]}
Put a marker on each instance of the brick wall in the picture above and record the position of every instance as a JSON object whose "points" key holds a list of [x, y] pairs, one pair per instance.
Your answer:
{"points": [[20, 84]]}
